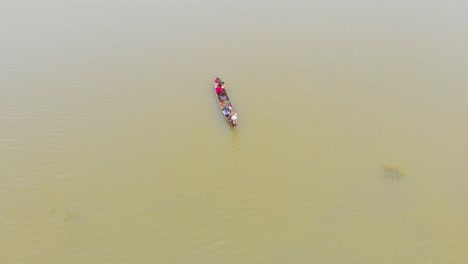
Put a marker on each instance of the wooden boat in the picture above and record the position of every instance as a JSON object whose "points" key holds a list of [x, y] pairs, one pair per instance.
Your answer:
{"points": [[225, 105]]}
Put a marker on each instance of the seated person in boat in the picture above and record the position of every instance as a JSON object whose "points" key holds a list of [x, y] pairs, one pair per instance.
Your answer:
{"points": [[218, 90], [234, 119], [223, 98], [226, 111]]}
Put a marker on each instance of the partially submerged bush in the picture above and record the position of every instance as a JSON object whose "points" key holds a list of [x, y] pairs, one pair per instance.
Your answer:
{"points": [[393, 171]]}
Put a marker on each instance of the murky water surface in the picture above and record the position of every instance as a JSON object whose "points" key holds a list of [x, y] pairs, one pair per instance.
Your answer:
{"points": [[351, 145]]}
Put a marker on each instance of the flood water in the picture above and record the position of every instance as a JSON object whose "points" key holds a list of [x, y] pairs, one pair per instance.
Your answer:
{"points": [[351, 145]]}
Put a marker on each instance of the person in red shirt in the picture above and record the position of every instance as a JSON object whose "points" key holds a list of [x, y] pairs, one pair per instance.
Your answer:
{"points": [[218, 89]]}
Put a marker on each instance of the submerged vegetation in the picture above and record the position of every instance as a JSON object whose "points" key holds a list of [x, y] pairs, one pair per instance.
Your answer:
{"points": [[392, 171]]}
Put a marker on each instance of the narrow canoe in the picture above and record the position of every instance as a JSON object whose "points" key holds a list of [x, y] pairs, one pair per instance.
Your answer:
{"points": [[225, 105]]}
